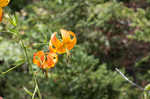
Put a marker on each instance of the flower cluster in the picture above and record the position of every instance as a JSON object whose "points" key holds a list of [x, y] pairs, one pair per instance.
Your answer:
{"points": [[56, 46], [3, 3]]}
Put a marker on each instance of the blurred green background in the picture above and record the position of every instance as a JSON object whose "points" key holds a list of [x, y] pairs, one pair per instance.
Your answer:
{"points": [[111, 34]]}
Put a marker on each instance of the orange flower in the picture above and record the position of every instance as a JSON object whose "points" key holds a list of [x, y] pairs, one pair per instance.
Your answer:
{"points": [[67, 43], [3, 3], [45, 61]]}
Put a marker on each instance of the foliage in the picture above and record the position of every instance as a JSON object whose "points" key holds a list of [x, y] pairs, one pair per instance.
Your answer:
{"points": [[110, 34]]}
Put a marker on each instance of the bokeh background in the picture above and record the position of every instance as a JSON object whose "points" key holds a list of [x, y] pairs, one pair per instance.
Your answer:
{"points": [[111, 34]]}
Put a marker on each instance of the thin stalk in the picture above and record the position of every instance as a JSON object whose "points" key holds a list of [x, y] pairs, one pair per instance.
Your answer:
{"points": [[25, 51], [131, 82], [39, 93], [34, 77], [10, 69], [145, 95], [68, 56], [27, 91], [35, 90], [26, 54], [8, 32]]}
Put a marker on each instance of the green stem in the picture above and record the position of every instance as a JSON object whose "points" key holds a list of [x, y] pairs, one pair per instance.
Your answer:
{"points": [[26, 54], [27, 58], [13, 21], [34, 77], [145, 95], [27, 91], [10, 69], [39, 93], [35, 90]]}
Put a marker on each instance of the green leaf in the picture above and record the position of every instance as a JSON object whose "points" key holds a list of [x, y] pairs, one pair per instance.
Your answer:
{"points": [[35, 90], [13, 20], [27, 91], [147, 87], [19, 62]]}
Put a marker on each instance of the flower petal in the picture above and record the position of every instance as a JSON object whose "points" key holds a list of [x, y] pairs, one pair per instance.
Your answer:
{"points": [[54, 56], [68, 41], [45, 63], [4, 3], [56, 45], [1, 14], [51, 47], [55, 41], [52, 59], [69, 38], [65, 35], [39, 58], [59, 50], [72, 41]]}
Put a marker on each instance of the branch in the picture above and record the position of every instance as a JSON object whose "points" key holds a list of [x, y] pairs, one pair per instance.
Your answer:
{"points": [[131, 82]]}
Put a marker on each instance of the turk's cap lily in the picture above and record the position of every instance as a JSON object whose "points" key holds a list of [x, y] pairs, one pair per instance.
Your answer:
{"points": [[67, 42], [3, 3], [1, 14], [45, 60]]}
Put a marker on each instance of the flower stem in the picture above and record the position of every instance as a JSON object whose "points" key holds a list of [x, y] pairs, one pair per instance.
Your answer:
{"points": [[29, 63], [13, 21]]}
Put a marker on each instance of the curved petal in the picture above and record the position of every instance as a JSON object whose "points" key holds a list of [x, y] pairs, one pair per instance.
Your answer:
{"points": [[55, 41], [4, 3], [61, 50], [52, 59], [68, 41], [54, 56], [44, 65], [39, 58], [51, 47], [71, 43], [50, 62], [65, 35], [1, 14], [56, 45]]}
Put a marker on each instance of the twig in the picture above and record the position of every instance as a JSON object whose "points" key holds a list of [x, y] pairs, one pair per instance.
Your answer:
{"points": [[131, 82]]}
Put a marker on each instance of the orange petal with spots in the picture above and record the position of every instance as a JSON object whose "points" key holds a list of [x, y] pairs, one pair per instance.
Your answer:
{"points": [[45, 63], [1, 14], [39, 58], [52, 59], [65, 35], [68, 41], [72, 40], [54, 56], [69, 38], [4, 3], [55, 41]]}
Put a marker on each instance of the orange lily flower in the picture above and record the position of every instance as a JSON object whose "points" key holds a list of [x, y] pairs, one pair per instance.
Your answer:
{"points": [[67, 43], [45, 61], [3, 3]]}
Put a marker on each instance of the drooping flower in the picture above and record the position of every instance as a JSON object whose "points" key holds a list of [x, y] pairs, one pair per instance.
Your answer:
{"points": [[3, 3], [65, 44], [45, 60]]}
